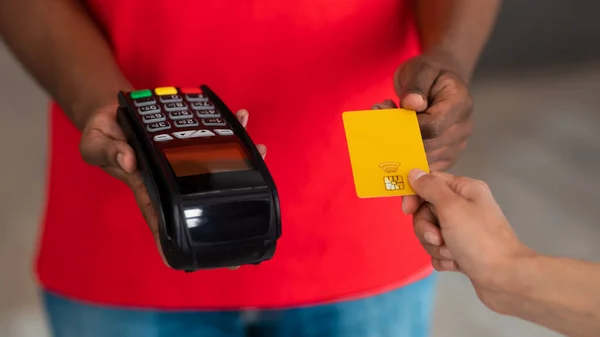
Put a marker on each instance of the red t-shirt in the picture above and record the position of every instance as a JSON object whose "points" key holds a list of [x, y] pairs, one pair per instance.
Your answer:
{"points": [[296, 66]]}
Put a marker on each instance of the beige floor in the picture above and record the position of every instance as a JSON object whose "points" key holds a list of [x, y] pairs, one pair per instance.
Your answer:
{"points": [[536, 143]]}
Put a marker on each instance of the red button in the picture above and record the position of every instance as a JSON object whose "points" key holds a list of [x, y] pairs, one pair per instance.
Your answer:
{"points": [[190, 90]]}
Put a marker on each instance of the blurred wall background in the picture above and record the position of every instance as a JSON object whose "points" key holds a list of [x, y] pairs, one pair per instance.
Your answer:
{"points": [[536, 143], [543, 33]]}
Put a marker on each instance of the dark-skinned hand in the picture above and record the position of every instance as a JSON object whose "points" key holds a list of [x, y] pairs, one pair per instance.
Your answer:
{"points": [[431, 86], [103, 144]]}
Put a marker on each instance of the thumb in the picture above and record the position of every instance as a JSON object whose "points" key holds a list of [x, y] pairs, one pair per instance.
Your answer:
{"points": [[413, 84], [98, 149], [433, 188]]}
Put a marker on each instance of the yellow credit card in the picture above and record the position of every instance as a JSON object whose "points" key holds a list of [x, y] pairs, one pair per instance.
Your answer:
{"points": [[384, 146]]}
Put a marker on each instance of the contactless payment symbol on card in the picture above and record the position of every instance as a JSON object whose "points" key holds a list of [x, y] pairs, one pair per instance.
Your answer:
{"points": [[384, 145], [393, 182], [390, 167]]}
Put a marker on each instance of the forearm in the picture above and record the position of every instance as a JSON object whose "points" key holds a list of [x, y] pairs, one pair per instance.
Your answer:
{"points": [[558, 293], [64, 50], [457, 29]]}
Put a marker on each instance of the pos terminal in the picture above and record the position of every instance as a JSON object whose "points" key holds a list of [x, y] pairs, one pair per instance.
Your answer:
{"points": [[215, 199]]}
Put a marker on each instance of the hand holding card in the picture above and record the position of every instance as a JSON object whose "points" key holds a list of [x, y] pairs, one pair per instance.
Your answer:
{"points": [[384, 146]]}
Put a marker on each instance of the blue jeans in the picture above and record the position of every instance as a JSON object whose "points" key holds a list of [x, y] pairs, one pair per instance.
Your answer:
{"points": [[405, 312]]}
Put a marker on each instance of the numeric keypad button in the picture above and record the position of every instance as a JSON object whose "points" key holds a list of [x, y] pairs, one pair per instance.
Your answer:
{"points": [[159, 126], [144, 101], [148, 109], [184, 123], [181, 114], [196, 98], [175, 106], [202, 106], [208, 113], [153, 118], [170, 98], [214, 121]]}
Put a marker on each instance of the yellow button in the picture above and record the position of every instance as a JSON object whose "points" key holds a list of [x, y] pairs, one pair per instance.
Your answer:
{"points": [[165, 91]]}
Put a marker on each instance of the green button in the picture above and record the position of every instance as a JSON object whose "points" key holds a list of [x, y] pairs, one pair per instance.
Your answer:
{"points": [[140, 94]]}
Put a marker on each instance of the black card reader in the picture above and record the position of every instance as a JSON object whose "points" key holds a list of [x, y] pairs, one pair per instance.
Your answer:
{"points": [[216, 202]]}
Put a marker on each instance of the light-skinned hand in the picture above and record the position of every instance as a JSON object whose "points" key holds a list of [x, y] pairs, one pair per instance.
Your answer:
{"points": [[462, 227]]}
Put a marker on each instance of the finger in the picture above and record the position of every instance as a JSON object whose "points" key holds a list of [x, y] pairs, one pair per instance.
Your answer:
{"points": [[414, 101], [472, 189], [242, 116], [411, 203], [454, 135], [262, 150], [441, 116], [387, 104], [441, 160], [413, 84], [425, 227], [442, 165], [451, 104], [98, 149], [438, 252], [142, 199], [467, 188], [444, 265], [433, 188], [450, 87]]}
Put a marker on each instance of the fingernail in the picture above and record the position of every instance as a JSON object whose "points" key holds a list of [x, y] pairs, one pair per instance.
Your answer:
{"points": [[447, 264], [403, 205], [445, 252], [432, 238], [415, 174], [415, 96], [414, 101], [120, 157]]}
